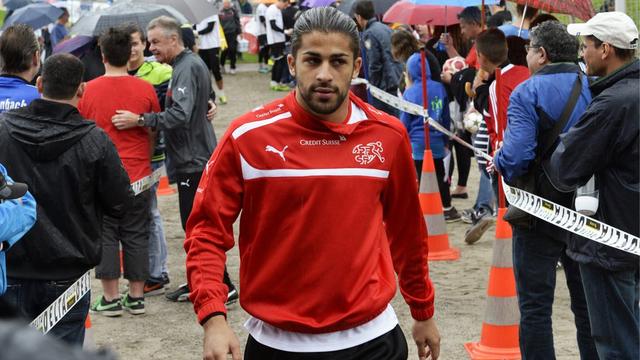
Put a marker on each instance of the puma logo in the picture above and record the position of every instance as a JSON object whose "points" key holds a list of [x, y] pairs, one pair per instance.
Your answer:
{"points": [[270, 148], [185, 183], [182, 90]]}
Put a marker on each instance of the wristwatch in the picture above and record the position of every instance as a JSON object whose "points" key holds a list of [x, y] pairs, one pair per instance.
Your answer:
{"points": [[141, 120]]}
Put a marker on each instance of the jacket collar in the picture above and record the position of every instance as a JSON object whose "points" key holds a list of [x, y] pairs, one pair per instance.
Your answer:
{"points": [[41, 108], [557, 68], [180, 56], [631, 71], [9, 76], [370, 22]]}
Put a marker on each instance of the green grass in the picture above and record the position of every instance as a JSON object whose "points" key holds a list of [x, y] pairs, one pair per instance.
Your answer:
{"points": [[248, 58]]}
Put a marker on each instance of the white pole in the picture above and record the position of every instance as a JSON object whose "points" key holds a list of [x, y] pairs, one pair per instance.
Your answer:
{"points": [[621, 6], [524, 12]]}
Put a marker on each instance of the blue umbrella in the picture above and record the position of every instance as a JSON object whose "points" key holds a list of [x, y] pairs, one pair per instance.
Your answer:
{"points": [[17, 4], [34, 15]]}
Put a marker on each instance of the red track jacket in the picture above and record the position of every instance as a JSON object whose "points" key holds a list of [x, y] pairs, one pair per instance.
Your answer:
{"points": [[328, 212]]}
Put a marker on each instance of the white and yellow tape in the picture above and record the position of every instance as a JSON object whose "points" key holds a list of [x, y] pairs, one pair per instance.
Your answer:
{"points": [[537, 206]]}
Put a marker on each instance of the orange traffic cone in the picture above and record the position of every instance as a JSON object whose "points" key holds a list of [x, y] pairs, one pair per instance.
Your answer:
{"points": [[89, 342], [164, 188], [499, 337], [431, 204]]}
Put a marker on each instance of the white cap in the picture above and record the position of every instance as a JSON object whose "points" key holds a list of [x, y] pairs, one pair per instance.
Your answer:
{"points": [[615, 28]]}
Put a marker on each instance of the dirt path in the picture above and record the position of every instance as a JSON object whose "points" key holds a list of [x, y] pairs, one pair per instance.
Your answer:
{"points": [[170, 331]]}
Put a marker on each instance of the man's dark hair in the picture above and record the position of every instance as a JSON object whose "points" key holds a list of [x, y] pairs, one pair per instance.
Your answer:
{"points": [[471, 14], [64, 12], [531, 11], [115, 45], [622, 54], [61, 76], [364, 8], [540, 19], [517, 51], [18, 44], [492, 44], [559, 45], [132, 28], [499, 18], [326, 20]]}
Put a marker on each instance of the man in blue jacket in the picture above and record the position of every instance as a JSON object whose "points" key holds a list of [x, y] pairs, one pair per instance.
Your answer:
{"points": [[534, 108], [381, 70], [439, 111], [17, 216], [20, 53], [604, 143]]}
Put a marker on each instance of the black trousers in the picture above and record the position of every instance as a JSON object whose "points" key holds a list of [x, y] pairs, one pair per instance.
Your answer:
{"points": [[462, 158], [390, 346], [187, 187], [210, 58], [280, 61], [443, 182], [231, 51], [263, 52]]}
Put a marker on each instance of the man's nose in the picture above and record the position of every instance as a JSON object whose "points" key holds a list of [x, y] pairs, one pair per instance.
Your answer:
{"points": [[324, 72]]}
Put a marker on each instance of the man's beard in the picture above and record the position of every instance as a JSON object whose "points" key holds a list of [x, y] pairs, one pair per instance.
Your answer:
{"points": [[322, 108]]}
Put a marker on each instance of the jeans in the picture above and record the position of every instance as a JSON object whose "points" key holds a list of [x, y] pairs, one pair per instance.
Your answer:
{"points": [[31, 297], [612, 298], [535, 257], [485, 198], [157, 241]]}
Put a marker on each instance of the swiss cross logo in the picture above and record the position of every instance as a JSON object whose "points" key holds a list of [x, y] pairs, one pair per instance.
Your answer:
{"points": [[365, 154]]}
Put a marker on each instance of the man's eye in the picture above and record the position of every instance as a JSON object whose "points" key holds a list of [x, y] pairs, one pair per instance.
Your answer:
{"points": [[338, 62], [312, 61]]}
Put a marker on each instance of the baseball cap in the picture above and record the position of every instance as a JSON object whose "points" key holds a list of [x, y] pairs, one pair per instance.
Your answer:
{"points": [[615, 28], [11, 191]]}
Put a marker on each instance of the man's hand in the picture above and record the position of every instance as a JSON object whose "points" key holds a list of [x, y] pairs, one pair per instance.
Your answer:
{"points": [[219, 340], [124, 119], [427, 338], [213, 109]]}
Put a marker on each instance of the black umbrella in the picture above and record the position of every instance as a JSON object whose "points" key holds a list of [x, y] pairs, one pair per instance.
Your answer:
{"points": [[34, 15], [380, 6], [95, 23]]}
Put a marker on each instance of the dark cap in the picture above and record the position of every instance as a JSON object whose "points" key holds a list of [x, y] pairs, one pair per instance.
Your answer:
{"points": [[11, 191]]}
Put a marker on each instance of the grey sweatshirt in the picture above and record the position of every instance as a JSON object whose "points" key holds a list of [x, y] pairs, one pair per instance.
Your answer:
{"points": [[189, 136]]}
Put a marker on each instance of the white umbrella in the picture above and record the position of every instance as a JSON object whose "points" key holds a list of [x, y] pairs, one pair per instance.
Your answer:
{"points": [[194, 10]]}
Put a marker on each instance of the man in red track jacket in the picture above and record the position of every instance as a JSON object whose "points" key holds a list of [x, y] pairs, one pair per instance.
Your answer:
{"points": [[328, 195]]}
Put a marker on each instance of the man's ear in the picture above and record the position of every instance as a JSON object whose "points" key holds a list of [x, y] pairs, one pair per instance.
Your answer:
{"points": [[291, 61], [357, 64], [544, 59], [80, 91], [35, 61], [39, 84], [607, 51]]}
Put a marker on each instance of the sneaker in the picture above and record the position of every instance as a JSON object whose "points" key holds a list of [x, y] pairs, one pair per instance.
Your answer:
{"points": [[263, 70], [451, 215], [467, 215], [107, 308], [232, 297], [181, 294], [154, 287], [475, 232], [223, 99], [232, 71], [133, 305]]}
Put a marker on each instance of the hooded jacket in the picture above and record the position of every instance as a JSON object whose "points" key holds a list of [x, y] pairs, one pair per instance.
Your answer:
{"points": [[438, 110], [605, 142], [75, 174], [16, 218]]}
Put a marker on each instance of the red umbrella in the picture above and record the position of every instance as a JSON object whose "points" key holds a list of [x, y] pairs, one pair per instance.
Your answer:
{"points": [[406, 12], [582, 9]]}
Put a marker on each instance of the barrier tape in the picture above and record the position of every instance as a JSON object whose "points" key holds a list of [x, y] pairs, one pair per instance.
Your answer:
{"points": [[65, 302], [565, 218]]}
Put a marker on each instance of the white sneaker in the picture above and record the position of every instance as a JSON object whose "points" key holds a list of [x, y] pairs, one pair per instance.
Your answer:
{"points": [[232, 71]]}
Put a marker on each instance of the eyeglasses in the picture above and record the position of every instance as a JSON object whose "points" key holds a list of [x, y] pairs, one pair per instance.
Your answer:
{"points": [[527, 47]]}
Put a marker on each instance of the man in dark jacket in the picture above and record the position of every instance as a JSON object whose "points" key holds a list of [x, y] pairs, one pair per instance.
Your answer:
{"points": [[74, 172], [381, 69], [534, 108], [604, 143], [230, 21]]}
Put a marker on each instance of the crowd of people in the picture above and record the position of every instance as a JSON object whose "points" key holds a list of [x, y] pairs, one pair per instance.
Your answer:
{"points": [[555, 106]]}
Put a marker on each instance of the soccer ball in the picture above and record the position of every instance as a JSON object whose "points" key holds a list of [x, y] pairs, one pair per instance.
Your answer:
{"points": [[454, 65], [472, 120]]}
